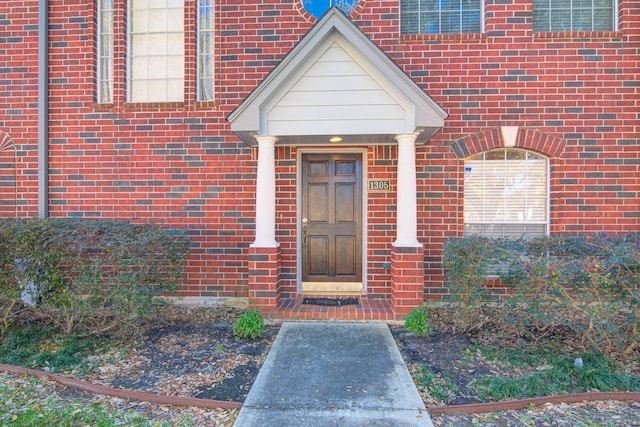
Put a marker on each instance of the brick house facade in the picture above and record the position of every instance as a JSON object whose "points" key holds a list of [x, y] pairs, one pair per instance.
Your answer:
{"points": [[206, 162]]}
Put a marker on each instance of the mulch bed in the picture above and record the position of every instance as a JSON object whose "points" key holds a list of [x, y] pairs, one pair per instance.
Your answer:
{"points": [[189, 352], [192, 352]]}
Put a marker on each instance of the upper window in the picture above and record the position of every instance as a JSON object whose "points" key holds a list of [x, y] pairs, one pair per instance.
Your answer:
{"points": [[206, 20], [105, 51], [573, 15], [156, 51], [506, 194], [440, 16], [155, 70]]}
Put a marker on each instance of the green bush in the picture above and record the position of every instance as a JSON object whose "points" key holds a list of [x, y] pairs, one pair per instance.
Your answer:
{"points": [[418, 322], [466, 262], [87, 276], [588, 283], [250, 325]]}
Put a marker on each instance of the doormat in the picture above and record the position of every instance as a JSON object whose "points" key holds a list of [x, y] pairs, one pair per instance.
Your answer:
{"points": [[336, 302]]}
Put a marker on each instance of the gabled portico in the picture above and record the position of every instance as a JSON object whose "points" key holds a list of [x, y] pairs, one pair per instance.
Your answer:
{"points": [[336, 83]]}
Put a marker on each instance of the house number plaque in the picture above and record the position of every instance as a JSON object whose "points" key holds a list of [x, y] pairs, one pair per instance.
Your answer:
{"points": [[379, 185]]}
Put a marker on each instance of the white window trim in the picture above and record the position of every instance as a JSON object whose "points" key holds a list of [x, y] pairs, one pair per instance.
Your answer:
{"points": [[616, 22], [129, 58], [482, 24], [100, 72], [546, 223], [198, 53]]}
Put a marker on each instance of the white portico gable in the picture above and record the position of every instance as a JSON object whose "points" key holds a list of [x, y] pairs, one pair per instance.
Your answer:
{"points": [[336, 83]]}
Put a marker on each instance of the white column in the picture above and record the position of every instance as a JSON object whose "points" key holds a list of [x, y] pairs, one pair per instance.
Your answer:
{"points": [[266, 194], [406, 215]]}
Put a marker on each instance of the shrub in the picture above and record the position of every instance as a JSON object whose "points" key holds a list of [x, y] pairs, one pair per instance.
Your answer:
{"points": [[418, 322], [87, 276], [250, 325], [466, 262], [588, 283]]}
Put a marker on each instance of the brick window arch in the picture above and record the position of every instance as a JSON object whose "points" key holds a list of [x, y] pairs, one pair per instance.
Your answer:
{"points": [[8, 176], [527, 139], [506, 183]]}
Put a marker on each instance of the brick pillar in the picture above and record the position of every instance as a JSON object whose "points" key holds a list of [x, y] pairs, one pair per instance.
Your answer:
{"points": [[407, 278], [264, 278]]}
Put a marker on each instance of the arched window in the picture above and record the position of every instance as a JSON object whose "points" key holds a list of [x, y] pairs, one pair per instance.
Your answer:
{"points": [[506, 194]]}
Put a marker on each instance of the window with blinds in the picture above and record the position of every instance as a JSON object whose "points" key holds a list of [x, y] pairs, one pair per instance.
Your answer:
{"points": [[440, 16], [506, 194], [574, 15]]}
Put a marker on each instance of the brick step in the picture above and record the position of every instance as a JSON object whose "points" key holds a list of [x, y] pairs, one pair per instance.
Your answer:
{"points": [[366, 309]]}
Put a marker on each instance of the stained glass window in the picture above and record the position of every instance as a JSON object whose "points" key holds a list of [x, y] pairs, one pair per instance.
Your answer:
{"points": [[317, 8]]}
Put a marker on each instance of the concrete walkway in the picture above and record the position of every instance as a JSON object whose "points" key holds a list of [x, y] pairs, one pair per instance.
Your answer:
{"points": [[335, 374]]}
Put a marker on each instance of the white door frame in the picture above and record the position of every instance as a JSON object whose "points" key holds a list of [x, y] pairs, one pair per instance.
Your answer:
{"points": [[330, 150]]}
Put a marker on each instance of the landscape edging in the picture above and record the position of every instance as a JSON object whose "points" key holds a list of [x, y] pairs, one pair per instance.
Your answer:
{"points": [[473, 408], [508, 405]]}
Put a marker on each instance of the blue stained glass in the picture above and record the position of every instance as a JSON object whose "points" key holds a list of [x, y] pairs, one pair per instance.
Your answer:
{"points": [[317, 8], [440, 16]]}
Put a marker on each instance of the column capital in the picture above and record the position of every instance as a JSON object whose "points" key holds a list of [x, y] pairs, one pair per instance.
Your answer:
{"points": [[406, 137], [266, 139]]}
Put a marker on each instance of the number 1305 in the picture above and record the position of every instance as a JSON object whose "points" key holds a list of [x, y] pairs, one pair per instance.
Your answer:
{"points": [[379, 185]]}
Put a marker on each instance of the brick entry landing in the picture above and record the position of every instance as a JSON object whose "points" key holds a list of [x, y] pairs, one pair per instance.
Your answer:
{"points": [[366, 309], [407, 287]]}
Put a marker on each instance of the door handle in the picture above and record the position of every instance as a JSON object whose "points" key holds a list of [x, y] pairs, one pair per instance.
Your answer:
{"points": [[305, 232]]}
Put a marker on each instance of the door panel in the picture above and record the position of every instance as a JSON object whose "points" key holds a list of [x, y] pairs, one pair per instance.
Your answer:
{"points": [[331, 222], [318, 255], [344, 205], [318, 200], [345, 253]]}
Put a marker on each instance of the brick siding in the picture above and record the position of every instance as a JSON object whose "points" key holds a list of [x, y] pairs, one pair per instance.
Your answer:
{"points": [[575, 97]]}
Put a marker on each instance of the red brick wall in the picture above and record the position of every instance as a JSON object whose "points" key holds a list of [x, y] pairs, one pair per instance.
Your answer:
{"points": [[180, 165], [18, 105]]}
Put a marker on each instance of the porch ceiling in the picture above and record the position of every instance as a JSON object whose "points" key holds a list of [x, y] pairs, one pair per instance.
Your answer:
{"points": [[336, 82]]}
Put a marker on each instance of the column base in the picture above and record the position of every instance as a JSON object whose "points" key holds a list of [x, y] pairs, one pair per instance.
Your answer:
{"points": [[264, 278], [407, 278]]}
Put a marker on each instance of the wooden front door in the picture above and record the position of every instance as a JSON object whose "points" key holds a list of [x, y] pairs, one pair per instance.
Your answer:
{"points": [[331, 229]]}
